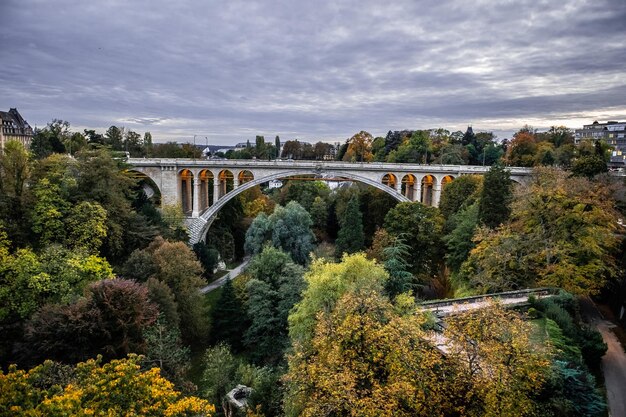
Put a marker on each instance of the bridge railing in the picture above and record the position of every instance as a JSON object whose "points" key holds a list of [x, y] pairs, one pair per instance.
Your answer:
{"points": [[478, 298]]}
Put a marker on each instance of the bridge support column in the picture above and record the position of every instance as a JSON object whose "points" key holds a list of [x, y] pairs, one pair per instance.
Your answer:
{"points": [[418, 191], [195, 212], [398, 184], [235, 182], [216, 190], [436, 194]]}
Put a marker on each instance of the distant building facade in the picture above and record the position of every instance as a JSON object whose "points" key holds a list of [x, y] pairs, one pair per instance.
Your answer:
{"points": [[14, 127], [611, 132]]}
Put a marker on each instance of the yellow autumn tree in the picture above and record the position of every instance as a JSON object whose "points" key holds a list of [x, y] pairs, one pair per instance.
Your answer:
{"points": [[359, 148], [493, 351], [369, 360], [118, 388]]}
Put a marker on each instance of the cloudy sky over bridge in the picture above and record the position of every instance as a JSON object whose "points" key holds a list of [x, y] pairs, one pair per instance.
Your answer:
{"points": [[314, 70]]}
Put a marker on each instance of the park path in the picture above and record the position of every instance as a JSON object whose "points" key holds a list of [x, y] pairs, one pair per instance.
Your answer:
{"points": [[613, 361], [232, 274], [614, 369]]}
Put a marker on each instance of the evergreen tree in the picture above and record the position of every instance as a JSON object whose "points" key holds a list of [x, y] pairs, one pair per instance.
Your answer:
{"points": [[229, 319], [277, 144], [495, 199], [350, 238]]}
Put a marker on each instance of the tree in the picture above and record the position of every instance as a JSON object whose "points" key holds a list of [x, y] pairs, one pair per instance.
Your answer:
{"points": [[86, 226], [51, 139], [14, 169], [178, 267], [494, 351], [220, 374], [416, 149], [495, 198], [229, 319], [275, 286], [48, 212], [396, 264], [114, 137], [326, 283], [459, 241], [288, 229], [120, 387], [319, 214], [164, 350], [100, 180], [208, 257], [359, 148], [562, 235], [109, 321], [423, 228], [366, 359], [521, 150], [460, 193], [350, 238], [56, 276]]}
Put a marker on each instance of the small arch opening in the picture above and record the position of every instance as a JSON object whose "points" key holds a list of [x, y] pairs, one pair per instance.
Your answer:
{"points": [[390, 180], [408, 186], [186, 191], [226, 182], [428, 185], [206, 189], [245, 176]]}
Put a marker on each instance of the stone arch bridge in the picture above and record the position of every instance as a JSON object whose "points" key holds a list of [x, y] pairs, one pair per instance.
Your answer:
{"points": [[203, 187]]}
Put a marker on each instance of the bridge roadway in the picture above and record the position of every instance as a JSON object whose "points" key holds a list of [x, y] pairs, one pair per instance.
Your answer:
{"points": [[202, 187]]}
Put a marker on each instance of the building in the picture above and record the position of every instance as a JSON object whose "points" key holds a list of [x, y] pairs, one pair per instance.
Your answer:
{"points": [[611, 132], [14, 127]]}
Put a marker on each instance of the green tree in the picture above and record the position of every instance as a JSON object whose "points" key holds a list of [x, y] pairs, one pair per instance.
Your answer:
{"points": [[459, 241], [423, 228], [350, 238], [460, 193], [288, 229], [164, 350], [114, 137], [275, 286], [395, 261], [319, 213], [220, 375], [100, 180], [14, 169], [48, 212], [229, 319], [326, 283], [495, 198], [86, 226]]}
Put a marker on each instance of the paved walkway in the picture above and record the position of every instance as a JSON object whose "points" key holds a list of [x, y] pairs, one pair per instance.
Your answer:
{"points": [[613, 361], [614, 368], [232, 274]]}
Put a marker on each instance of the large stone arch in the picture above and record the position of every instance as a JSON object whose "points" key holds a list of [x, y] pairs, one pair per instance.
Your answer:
{"points": [[147, 183], [199, 226]]}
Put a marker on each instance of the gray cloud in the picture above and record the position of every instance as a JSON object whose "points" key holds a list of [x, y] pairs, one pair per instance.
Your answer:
{"points": [[230, 70]]}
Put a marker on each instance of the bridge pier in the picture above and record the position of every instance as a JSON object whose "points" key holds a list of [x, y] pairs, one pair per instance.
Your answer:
{"points": [[436, 194], [195, 212]]}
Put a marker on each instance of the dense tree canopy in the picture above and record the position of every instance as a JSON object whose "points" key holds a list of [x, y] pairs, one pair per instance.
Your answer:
{"points": [[562, 234]]}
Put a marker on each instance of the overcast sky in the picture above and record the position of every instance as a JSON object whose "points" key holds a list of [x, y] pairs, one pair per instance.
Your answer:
{"points": [[230, 70]]}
